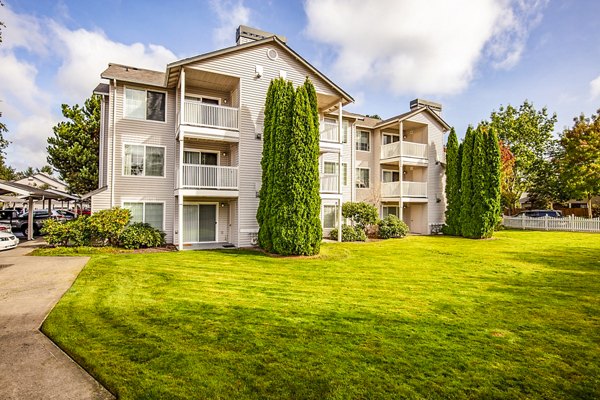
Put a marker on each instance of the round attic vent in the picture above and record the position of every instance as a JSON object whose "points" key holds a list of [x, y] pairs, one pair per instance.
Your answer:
{"points": [[272, 54]]}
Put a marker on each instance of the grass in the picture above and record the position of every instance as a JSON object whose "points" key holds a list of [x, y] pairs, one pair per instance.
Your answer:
{"points": [[422, 317]]}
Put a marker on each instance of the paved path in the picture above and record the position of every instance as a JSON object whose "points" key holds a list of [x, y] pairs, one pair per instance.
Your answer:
{"points": [[31, 366]]}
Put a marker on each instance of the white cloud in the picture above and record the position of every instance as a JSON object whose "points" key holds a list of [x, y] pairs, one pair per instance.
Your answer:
{"points": [[595, 88], [421, 47], [231, 14], [30, 104]]}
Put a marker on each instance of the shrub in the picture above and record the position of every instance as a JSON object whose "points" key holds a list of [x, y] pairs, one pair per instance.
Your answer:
{"points": [[107, 225], [141, 235], [392, 227], [349, 234], [362, 214], [76, 232]]}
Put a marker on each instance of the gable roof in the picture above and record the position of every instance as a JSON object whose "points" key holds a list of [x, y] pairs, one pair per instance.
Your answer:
{"points": [[170, 78], [412, 113]]}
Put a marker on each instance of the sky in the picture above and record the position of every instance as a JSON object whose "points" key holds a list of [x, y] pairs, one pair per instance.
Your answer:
{"points": [[471, 56]]}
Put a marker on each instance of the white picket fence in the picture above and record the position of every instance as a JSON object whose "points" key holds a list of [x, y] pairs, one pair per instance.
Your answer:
{"points": [[571, 223]]}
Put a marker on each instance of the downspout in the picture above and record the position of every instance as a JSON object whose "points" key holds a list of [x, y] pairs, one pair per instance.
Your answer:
{"points": [[114, 134]]}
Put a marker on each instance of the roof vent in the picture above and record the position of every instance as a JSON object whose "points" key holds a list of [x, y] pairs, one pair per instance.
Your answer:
{"points": [[245, 34], [436, 107]]}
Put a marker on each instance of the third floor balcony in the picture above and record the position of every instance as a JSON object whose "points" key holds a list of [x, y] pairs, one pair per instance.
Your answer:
{"points": [[404, 149]]}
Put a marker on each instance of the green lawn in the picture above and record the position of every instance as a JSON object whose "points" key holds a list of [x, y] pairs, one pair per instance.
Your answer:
{"points": [[421, 317]]}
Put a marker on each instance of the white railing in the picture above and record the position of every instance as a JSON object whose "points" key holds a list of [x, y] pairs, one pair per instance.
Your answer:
{"points": [[330, 133], [209, 177], [409, 189], [409, 149], [546, 223], [329, 183], [196, 113]]}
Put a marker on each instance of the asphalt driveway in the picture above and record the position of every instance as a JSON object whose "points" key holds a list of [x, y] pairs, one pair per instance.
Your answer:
{"points": [[31, 366]]}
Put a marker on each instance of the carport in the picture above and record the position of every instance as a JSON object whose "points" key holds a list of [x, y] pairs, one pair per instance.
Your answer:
{"points": [[29, 193]]}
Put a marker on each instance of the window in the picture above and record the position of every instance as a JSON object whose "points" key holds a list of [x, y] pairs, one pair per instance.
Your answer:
{"points": [[390, 210], [330, 167], [363, 141], [346, 128], [344, 174], [390, 176], [389, 138], [329, 217], [142, 160], [362, 178], [200, 158], [145, 104], [150, 213]]}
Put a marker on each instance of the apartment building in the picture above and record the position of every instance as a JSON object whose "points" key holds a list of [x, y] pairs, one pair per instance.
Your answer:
{"points": [[181, 148]]}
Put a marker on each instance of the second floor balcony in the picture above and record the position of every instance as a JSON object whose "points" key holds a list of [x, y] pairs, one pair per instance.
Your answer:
{"points": [[329, 183], [407, 149], [210, 115], [404, 189], [213, 177]]}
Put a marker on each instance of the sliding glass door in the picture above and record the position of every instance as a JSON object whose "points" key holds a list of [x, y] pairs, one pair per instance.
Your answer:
{"points": [[199, 223]]}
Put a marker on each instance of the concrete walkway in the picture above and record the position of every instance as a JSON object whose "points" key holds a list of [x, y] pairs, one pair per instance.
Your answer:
{"points": [[31, 366]]}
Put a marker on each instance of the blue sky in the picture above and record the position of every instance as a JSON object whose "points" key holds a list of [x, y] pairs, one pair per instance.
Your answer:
{"points": [[470, 56]]}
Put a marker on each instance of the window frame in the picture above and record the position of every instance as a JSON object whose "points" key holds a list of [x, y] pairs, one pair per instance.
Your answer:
{"points": [[143, 202], [384, 134], [218, 153], [383, 171], [357, 176], [200, 97], [389, 206], [358, 135], [144, 169], [145, 90]]}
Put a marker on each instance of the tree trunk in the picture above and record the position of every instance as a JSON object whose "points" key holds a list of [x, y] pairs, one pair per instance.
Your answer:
{"points": [[589, 205]]}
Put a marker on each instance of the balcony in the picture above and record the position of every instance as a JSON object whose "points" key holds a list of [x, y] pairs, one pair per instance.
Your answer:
{"points": [[329, 183], [409, 189], [209, 177], [409, 149], [329, 140], [210, 115]]}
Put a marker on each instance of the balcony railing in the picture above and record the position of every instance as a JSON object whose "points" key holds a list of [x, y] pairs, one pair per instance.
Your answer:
{"points": [[209, 177], [330, 133], [329, 183], [409, 189], [196, 113], [409, 149]]}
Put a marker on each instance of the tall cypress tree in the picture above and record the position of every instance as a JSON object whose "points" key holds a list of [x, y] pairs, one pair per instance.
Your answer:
{"points": [[466, 188], [264, 231], [476, 225], [452, 186], [494, 166]]}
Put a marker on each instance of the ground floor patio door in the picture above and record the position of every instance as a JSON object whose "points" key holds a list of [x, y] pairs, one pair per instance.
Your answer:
{"points": [[199, 223]]}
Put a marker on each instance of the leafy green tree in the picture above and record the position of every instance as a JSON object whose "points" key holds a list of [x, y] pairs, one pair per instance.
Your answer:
{"points": [[452, 186], [579, 158], [547, 186], [493, 168], [475, 226], [73, 150], [527, 133]]}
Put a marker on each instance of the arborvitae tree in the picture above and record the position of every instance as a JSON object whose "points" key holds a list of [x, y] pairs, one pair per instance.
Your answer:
{"points": [[494, 196], [466, 184], [264, 231], [452, 186], [280, 196], [476, 223]]}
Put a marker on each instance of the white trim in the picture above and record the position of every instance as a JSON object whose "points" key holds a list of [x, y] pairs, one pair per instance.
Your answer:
{"points": [[143, 202], [197, 203], [370, 178], [125, 87], [144, 170]]}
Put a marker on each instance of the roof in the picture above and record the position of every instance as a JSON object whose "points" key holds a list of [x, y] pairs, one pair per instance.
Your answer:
{"points": [[102, 88], [94, 192], [173, 68], [411, 113], [134, 74], [27, 191]]}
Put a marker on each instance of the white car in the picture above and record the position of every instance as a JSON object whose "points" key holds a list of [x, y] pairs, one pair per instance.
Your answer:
{"points": [[8, 240]]}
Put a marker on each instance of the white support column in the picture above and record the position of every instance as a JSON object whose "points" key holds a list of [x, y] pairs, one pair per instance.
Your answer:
{"points": [[182, 96], [401, 169], [180, 222], [30, 219], [340, 201]]}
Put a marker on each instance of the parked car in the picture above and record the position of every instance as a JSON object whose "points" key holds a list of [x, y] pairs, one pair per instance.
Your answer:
{"points": [[39, 216], [4, 227], [68, 215], [8, 240], [540, 214], [8, 217]]}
